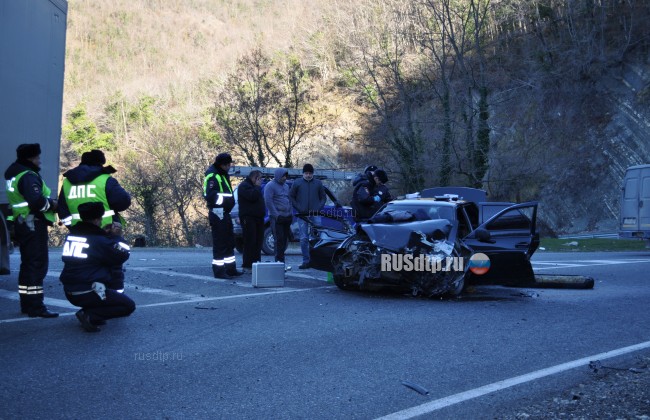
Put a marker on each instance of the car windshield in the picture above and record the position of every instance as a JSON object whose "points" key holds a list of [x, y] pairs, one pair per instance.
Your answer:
{"points": [[423, 211]]}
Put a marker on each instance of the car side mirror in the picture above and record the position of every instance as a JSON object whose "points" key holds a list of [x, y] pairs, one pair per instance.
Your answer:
{"points": [[483, 235]]}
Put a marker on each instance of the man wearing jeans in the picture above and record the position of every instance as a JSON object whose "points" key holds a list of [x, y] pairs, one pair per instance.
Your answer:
{"points": [[307, 197], [276, 198]]}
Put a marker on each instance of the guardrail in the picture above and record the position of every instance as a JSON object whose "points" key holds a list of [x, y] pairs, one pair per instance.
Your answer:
{"points": [[589, 235]]}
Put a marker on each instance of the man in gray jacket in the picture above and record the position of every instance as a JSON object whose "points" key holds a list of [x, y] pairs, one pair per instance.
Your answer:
{"points": [[307, 196], [278, 204]]}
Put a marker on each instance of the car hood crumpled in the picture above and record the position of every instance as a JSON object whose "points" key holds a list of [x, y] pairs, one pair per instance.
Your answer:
{"points": [[396, 236]]}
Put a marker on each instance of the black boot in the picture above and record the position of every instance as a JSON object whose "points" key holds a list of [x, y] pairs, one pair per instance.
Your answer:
{"points": [[231, 270], [220, 272]]}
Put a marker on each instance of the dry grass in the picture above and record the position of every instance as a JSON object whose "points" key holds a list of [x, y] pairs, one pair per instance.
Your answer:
{"points": [[172, 48]]}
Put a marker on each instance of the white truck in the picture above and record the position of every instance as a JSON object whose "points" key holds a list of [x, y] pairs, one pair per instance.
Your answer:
{"points": [[32, 53], [634, 221]]}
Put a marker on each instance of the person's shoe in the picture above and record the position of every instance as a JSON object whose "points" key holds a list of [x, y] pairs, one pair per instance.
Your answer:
{"points": [[219, 272], [231, 270], [303, 266], [234, 273], [98, 322], [42, 313], [84, 319]]}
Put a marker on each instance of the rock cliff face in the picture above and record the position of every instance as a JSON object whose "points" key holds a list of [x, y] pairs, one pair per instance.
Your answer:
{"points": [[568, 146]]}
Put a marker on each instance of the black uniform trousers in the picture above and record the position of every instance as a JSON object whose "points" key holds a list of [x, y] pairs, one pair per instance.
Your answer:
{"points": [[114, 306], [253, 232], [223, 243], [281, 226], [33, 264]]}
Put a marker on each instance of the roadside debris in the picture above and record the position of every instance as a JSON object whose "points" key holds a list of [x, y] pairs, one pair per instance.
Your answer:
{"points": [[572, 243], [415, 387], [211, 308], [548, 281], [596, 365]]}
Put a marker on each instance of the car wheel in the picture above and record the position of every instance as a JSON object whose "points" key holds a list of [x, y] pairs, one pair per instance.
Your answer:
{"points": [[457, 286], [342, 283], [268, 244]]}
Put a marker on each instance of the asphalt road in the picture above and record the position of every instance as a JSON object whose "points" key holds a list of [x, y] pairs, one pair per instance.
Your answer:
{"points": [[203, 348]]}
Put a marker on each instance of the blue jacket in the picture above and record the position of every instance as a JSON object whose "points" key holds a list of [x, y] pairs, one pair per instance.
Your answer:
{"points": [[90, 255], [276, 196]]}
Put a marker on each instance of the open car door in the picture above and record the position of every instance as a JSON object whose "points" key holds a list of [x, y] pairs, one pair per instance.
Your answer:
{"points": [[509, 239]]}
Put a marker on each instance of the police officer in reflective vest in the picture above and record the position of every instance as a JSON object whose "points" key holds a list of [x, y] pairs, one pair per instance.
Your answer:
{"points": [[91, 182], [89, 255], [218, 194], [32, 212]]}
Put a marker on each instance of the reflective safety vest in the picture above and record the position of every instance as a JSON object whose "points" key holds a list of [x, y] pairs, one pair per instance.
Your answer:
{"points": [[19, 206], [93, 191], [222, 192]]}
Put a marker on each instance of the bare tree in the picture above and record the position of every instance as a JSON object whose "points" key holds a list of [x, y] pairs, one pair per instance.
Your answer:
{"points": [[381, 65], [242, 107], [266, 110]]}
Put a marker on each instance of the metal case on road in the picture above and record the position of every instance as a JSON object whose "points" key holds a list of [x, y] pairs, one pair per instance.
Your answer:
{"points": [[268, 274]]}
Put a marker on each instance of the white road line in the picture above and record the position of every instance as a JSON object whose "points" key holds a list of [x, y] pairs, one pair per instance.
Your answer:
{"points": [[585, 263], [303, 276], [192, 276], [438, 404], [160, 292], [560, 266], [48, 301], [180, 302]]}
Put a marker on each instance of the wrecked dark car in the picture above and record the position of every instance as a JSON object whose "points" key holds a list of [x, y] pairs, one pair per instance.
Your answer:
{"points": [[425, 245]]}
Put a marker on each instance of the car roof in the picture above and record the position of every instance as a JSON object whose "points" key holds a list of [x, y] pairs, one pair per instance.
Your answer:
{"points": [[425, 202]]}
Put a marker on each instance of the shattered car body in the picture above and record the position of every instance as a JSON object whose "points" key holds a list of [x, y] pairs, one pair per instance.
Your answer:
{"points": [[441, 234]]}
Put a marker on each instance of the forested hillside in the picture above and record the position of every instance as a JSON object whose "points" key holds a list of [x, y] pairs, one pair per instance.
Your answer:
{"points": [[527, 99]]}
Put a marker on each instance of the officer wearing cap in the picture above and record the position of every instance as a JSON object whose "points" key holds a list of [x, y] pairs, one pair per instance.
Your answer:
{"points": [[91, 181], [363, 201], [32, 212], [217, 192], [89, 255]]}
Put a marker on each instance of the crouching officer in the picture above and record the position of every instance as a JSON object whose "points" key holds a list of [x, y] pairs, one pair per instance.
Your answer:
{"points": [[218, 195], [89, 255], [91, 181], [32, 213]]}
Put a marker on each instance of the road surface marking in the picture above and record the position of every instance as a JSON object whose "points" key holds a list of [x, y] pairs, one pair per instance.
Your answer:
{"points": [[48, 301], [438, 404], [584, 263], [153, 305]]}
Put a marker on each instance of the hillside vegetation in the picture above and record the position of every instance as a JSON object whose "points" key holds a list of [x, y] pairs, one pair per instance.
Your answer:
{"points": [[527, 99]]}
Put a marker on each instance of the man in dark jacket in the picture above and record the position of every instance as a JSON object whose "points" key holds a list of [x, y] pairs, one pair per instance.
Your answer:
{"points": [[307, 197], [91, 181], [218, 195], [381, 190], [251, 215], [32, 212], [89, 255], [363, 200]]}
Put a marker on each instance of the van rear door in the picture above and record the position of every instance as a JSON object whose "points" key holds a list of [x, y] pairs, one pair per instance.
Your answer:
{"points": [[635, 201]]}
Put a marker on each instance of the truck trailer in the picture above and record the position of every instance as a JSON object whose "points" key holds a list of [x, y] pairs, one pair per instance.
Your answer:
{"points": [[32, 53]]}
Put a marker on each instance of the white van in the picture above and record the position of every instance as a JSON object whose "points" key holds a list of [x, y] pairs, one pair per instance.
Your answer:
{"points": [[635, 203]]}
